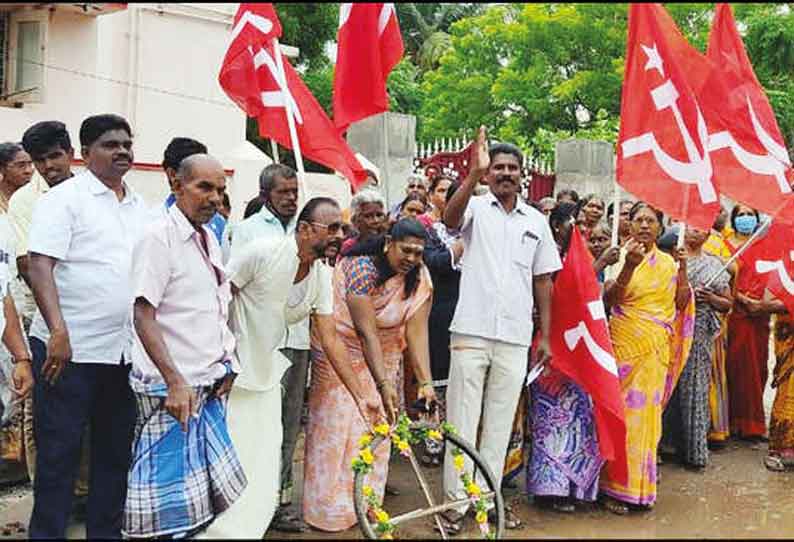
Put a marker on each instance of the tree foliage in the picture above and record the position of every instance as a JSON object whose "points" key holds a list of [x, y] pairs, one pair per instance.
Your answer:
{"points": [[309, 27], [538, 73]]}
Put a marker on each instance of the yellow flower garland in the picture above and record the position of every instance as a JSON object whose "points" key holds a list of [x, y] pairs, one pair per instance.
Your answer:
{"points": [[402, 435]]}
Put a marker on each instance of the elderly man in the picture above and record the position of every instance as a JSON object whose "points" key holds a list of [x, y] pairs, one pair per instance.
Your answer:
{"points": [[510, 251], [177, 150], [80, 248], [278, 186], [183, 364], [276, 281], [417, 184]]}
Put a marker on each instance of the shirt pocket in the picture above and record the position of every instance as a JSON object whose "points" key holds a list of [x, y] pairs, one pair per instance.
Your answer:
{"points": [[523, 249]]}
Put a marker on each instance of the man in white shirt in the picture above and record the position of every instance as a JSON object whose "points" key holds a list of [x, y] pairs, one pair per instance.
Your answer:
{"points": [[183, 364], [80, 249], [278, 186], [275, 282], [510, 256]]}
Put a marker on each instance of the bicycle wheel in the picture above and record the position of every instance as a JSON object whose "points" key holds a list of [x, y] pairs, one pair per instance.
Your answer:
{"points": [[478, 467]]}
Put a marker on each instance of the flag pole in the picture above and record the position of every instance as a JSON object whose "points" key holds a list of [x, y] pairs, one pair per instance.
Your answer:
{"points": [[756, 234], [293, 133], [616, 213], [274, 149], [681, 234]]}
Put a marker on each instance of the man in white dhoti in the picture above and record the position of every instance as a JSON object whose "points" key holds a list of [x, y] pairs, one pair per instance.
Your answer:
{"points": [[275, 282]]}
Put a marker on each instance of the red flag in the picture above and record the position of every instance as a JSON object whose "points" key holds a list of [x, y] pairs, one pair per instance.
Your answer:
{"points": [[750, 160], [582, 350], [662, 146], [369, 46], [770, 260], [250, 77]]}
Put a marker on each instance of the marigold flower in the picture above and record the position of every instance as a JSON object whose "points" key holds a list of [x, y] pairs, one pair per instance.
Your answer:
{"points": [[364, 440], [458, 462], [382, 516], [473, 490], [435, 435], [402, 445], [366, 456], [367, 491], [387, 536], [382, 429], [482, 516]]}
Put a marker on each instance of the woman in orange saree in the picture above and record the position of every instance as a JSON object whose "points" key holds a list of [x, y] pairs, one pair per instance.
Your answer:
{"points": [[651, 328], [748, 338], [382, 296]]}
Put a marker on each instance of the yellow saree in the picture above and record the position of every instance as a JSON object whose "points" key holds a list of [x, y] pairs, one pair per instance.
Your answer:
{"points": [[781, 423], [651, 340], [718, 390]]}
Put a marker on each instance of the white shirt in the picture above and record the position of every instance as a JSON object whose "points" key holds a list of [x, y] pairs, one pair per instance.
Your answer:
{"points": [[82, 224], [266, 225], [190, 293], [264, 272], [7, 269], [503, 253]]}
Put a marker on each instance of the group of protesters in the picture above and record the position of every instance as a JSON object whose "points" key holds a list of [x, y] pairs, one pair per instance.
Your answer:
{"points": [[159, 358]]}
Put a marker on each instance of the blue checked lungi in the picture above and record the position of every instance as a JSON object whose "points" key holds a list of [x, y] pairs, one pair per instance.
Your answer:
{"points": [[179, 481]]}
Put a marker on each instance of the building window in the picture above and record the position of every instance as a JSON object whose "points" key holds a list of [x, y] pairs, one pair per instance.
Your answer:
{"points": [[28, 56], [3, 51]]}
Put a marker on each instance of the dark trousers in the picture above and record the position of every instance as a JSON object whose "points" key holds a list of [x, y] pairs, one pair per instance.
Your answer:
{"points": [[293, 392], [93, 394]]}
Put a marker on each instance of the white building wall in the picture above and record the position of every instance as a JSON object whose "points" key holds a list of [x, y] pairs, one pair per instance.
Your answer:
{"points": [[157, 65]]}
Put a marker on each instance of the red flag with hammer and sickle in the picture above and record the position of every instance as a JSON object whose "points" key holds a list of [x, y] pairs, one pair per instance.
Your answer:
{"points": [[582, 350], [251, 78], [663, 143], [750, 160]]}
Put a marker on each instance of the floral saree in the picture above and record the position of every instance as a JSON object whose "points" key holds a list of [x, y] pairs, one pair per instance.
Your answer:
{"points": [[651, 340], [334, 425]]}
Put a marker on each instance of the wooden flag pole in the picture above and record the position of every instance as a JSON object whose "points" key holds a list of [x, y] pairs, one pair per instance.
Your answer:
{"points": [[293, 133]]}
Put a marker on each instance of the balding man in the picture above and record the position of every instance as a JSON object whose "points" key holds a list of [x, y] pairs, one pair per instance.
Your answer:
{"points": [[184, 470]]}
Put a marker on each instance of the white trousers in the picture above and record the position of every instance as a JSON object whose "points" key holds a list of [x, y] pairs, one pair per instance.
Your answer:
{"points": [[485, 381], [254, 422]]}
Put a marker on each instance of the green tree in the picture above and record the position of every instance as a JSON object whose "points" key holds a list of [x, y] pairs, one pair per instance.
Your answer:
{"points": [[425, 28], [309, 27], [537, 73]]}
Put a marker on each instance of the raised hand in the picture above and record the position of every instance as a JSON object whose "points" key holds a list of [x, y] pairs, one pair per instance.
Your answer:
{"points": [[635, 252], [479, 160]]}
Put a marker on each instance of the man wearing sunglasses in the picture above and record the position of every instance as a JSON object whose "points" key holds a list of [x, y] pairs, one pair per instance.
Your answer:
{"points": [[276, 282]]}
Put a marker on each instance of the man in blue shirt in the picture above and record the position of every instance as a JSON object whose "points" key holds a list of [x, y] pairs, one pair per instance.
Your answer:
{"points": [[177, 150]]}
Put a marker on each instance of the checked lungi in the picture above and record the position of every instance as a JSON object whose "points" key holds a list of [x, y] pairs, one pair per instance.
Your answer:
{"points": [[179, 481]]}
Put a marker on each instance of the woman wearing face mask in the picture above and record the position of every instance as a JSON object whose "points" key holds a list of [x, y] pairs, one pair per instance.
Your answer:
{"points": [[748, 338], [687, 418], [565, 462], [382, 297]]}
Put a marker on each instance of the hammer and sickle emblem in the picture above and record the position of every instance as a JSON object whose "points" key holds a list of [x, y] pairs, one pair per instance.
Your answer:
{"points": [[581, 332]]}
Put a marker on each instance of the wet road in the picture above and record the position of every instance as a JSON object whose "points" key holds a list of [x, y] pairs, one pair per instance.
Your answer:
{"points": [[736, 497]]}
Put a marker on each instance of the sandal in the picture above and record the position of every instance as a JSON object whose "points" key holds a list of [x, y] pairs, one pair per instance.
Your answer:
{"points": [[562, 505], [615, 506], [452, 520], [512, 521], [286, 522], [774, 463]]}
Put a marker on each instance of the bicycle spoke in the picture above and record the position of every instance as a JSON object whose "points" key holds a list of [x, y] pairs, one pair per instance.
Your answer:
{"points": [[426, 490], [419, 513]]}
